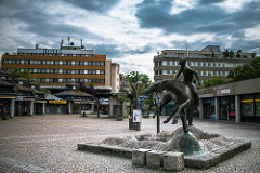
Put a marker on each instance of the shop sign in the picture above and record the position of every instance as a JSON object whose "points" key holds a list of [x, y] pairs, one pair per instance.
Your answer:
{"points": [[205, 95], [58, 102], [225, 91], [247, 100], [137, 113], [51, 51]]}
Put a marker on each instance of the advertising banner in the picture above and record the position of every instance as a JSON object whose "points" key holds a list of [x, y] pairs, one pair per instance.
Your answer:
{"points": [[137, 113]]}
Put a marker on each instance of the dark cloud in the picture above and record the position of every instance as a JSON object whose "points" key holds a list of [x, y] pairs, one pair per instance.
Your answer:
{"points": [[111, 50], [206, 2], [202, 18], [94, 5]]}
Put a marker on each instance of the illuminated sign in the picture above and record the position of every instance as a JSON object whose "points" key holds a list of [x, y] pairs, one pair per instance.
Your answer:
{"points": [[225, 91], [58, 102], [53, 51]]}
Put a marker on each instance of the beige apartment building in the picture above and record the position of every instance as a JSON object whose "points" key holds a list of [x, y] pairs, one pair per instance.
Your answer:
{"points": [[208, 62]]}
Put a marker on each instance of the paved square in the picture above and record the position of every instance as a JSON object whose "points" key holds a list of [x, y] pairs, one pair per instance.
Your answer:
{"points": [[48, 143]]}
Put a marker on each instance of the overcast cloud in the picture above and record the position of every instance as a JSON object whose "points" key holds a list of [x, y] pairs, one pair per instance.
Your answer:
{"points": [[131, 32]]}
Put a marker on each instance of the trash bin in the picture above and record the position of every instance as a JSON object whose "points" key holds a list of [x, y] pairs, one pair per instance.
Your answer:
{"points": [[137, 126]]}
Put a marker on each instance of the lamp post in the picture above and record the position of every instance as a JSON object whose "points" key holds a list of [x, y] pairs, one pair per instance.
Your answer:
{"points": [[136, 91]]}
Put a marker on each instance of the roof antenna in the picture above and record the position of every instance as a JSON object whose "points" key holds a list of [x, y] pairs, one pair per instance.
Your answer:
{"points": [[61, 43]]}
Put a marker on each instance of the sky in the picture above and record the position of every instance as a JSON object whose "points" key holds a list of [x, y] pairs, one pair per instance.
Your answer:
{"points": [[131, 32]]}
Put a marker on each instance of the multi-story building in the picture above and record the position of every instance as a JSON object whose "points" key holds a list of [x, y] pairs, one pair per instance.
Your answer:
{"points": [[208, 62], [53, 68]]}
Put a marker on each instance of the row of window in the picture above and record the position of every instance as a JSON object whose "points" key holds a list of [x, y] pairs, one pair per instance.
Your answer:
{"points": [[200, 73], [36, 62], [55, 54], [70, 80], [64, 71], [197, 64]]}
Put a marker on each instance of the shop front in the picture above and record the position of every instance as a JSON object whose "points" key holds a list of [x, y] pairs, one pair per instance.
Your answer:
{"points": [[227, 108], [209, 108], [56, 107], [250, 108]]}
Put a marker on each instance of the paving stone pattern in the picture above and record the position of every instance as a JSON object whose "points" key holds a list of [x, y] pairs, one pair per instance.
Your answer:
{"points": [[49, 144]]}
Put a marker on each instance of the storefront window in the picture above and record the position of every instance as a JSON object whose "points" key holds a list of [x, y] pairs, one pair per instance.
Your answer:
{"points": [[247, 106], [257, 104], [232, 112], [224, 108], [209, 108]]}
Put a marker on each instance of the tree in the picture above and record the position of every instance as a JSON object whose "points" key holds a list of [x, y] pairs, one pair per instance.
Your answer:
{"points": [[45, 90], [212, 54], [226, 53], [17, 72], [142, 83], [248, 70], [121, 99], [231, 54], [216, 80], [238, 55], [253, 55], [132, 77]]}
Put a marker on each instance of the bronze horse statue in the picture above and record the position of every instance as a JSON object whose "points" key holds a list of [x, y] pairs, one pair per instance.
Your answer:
{"points": [[178, 92]]}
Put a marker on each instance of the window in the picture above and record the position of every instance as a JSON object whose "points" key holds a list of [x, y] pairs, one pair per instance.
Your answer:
{"points": [[247, 105], [72, 62], [164, 63]]}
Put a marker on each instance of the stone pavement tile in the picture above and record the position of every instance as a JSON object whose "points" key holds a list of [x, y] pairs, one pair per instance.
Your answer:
{"points": [[50, 143]]}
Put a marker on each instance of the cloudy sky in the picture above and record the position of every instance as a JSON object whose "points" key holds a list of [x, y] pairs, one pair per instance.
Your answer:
{"points": [[131, 32]]}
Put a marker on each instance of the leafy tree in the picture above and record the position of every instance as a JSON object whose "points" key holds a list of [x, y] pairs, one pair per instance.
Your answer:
{"points": [[17, 72], [248, 70], [212, 54], [214, 81], [238, 55], [253, 55], [6, 53], [226, 53], [132, 77], [231, 54], [45, 90]]}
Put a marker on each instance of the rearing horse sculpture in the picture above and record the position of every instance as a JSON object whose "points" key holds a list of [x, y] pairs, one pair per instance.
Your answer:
{"points": [[181, 95]]}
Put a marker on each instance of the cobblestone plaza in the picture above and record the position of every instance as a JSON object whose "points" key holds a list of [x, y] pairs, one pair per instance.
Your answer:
{"points": [[49, 144]]}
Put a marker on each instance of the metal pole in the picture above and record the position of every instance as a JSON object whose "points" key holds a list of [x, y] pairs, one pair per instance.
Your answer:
{"points": [[136, 90]]}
